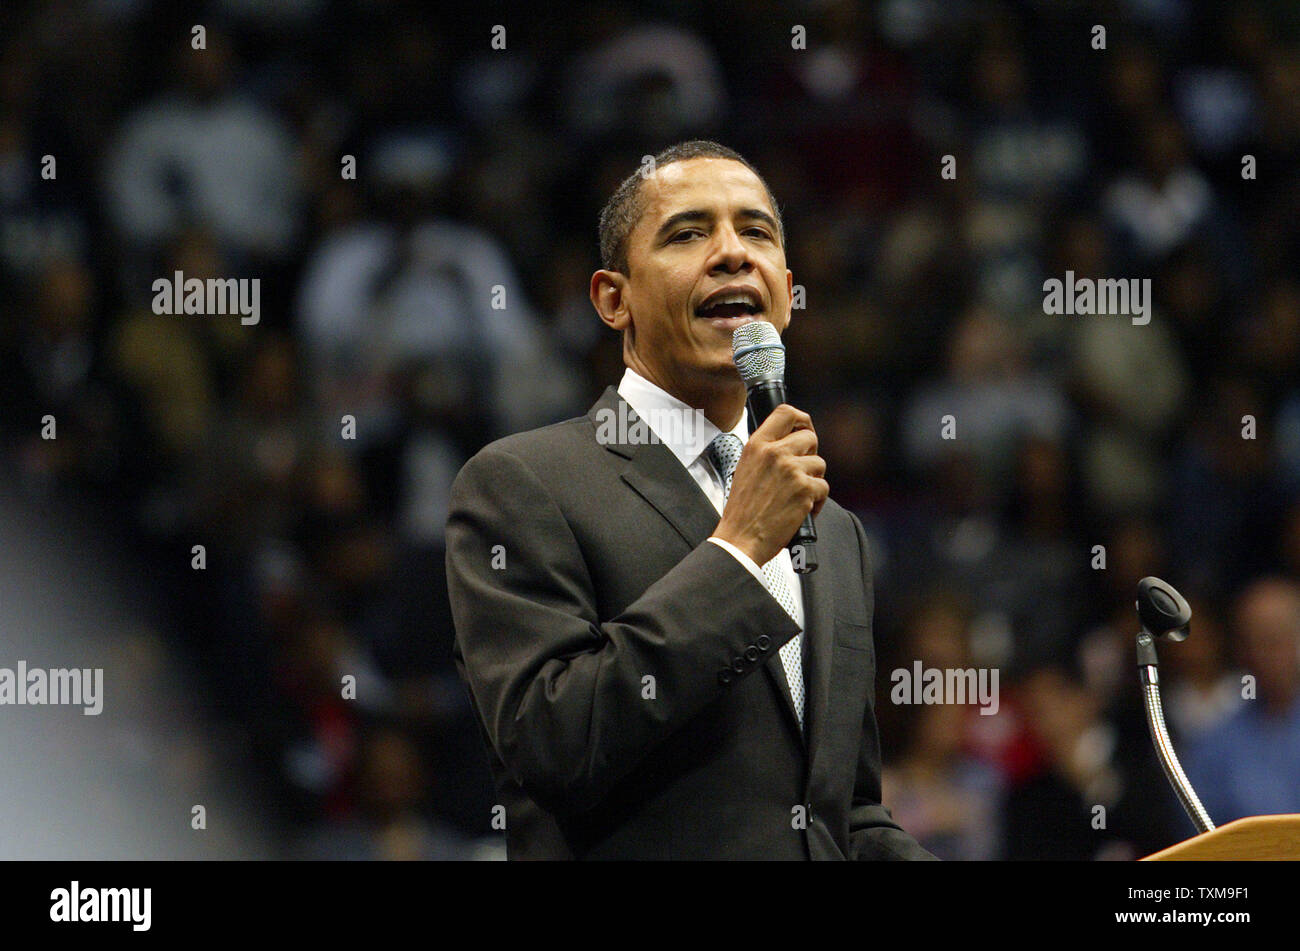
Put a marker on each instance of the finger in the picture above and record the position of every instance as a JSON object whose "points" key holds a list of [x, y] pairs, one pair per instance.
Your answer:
{"points": [[801, 442], [813, 465], [784, 420]]}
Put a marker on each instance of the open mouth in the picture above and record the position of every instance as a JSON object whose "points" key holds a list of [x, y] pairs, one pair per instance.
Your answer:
{"points": [[743, 304]]}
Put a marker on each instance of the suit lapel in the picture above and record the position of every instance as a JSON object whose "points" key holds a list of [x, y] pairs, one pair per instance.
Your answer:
{"points": [[658, 477]]}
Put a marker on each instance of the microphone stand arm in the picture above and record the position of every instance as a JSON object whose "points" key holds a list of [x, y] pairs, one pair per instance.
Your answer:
{"points": [[1148, 664]]}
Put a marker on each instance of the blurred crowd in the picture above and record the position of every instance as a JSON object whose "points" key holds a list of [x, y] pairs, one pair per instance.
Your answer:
{"points": [[390, 177]]}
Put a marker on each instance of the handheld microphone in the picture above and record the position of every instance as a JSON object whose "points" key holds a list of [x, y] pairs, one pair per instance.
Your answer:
{"points": [[760, 357]]}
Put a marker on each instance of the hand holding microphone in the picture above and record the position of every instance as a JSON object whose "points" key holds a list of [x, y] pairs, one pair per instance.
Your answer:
{"points": [[778, 484]]}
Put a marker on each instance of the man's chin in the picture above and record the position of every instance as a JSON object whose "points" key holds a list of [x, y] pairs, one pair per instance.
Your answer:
{"points": [[723, 369]]}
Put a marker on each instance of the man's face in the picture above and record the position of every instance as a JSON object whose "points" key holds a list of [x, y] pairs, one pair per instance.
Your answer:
{"points": [[707, 233], [1269, 631]]}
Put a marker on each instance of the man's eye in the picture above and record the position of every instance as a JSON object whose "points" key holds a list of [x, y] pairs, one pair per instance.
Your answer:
{"points": [[758, 231], [683, 234]]}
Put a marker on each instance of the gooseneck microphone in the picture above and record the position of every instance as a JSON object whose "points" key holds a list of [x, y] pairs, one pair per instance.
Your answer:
{"points": [[1165, 615], [760, 357]]}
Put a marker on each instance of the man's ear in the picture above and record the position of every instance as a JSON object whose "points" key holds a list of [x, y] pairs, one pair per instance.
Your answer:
{"points": [[609, 296], [789, 296]]}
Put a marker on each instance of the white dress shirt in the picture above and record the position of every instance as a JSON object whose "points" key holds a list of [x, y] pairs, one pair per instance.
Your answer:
{"points": [[689, 444]]}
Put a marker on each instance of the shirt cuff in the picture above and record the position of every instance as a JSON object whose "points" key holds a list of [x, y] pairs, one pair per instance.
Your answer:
{"points": [[744, 559]]}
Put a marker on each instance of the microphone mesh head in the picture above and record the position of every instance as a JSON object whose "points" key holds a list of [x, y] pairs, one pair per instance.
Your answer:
{"points": [[758, 351]]}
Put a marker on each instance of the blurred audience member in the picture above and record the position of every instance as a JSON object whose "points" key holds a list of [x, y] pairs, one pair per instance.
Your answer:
{"points": [[1095, 798], [1249, 764]]}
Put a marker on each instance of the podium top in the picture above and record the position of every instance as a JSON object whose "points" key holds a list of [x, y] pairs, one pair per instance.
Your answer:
{"points": [[1257, 838]]}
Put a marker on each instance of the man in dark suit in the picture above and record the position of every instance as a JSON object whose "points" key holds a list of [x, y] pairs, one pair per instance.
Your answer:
{"points": [[652, 677]]}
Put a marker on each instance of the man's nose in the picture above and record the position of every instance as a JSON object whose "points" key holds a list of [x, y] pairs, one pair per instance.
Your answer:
{"points": [[730, 254]]}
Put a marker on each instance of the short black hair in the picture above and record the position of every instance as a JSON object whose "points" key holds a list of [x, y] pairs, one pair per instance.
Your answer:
{"points": [[624, 208]]}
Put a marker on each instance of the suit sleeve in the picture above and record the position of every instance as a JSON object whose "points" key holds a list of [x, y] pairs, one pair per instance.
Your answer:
{"points": [[873, 833], [563, 696]]}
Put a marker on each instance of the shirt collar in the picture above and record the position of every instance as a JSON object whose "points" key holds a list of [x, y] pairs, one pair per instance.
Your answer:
{"points": [[686, 441]]}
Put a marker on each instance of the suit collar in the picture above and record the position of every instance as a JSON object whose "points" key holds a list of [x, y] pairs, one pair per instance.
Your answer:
{"points": [[684, 429], [653, 471]]}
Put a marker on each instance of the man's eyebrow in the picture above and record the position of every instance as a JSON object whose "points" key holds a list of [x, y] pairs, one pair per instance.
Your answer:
{"points": [[698, 214], [761, 215], [692, 214]]}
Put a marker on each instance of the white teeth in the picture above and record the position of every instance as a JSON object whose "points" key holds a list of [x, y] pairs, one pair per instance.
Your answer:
{"points": [[734, 299]]}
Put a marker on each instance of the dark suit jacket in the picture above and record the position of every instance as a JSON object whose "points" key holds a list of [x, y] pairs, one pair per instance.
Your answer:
{"points": [[604, 579]]}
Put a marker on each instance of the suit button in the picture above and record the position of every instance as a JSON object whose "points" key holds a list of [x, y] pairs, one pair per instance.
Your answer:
{"points": [[738, 665], [751, 653], [763, 642], [724, 676]]}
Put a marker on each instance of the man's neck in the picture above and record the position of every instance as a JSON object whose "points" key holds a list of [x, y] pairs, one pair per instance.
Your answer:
{"points": [[723, 402]]}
